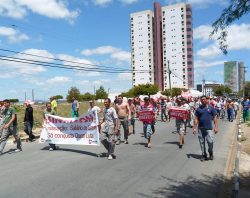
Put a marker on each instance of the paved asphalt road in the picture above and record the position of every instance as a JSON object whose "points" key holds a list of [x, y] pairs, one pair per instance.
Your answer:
{"points": [[76, 171]]}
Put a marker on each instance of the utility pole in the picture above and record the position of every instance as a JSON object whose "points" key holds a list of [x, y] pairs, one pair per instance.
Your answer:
{"points": [[25, 97], [33, 97], [203, 86], [169, 78], [244, 82]]}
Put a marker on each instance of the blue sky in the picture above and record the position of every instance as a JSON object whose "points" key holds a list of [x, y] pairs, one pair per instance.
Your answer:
{"points": [[97, 32]]}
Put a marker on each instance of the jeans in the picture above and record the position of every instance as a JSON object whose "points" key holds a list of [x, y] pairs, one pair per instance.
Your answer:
{"points": [[206, 135], [28, 129], [5, 135], [148, 130], [230, 114]]}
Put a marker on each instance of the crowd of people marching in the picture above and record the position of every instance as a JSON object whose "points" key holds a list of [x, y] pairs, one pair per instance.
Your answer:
{"points": [[201, 114]]}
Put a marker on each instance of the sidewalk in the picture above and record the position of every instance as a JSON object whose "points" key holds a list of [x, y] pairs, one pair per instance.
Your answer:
{"points": [[244, 163]]}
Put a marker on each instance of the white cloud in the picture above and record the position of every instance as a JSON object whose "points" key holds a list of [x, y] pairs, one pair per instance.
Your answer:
{"points": [[100, 51], [203, 64], [58, 80], [83, 82], [13, 36], [125, 76], [209, 52], [49, 8], [129, 1], [115, 53], [88, 74], [238, 39], [200, 3], [202, 32], [102, 2]]}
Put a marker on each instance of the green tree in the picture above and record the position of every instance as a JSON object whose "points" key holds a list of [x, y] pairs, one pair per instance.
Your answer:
{"points": [[57, 97], [101, 93], [221, 90], [176, 91], [128, 94], [145, 89], [13, 100], [234, 11], [166, 92], [73, 92], [87, 96]]}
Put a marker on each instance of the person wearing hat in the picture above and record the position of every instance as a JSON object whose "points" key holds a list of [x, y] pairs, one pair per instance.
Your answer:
{"points": [[28, 120], [148, 126], [180, 123], [10, 127]]}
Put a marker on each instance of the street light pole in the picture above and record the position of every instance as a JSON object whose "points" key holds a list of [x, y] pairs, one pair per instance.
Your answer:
{"points": [[169, 78]]}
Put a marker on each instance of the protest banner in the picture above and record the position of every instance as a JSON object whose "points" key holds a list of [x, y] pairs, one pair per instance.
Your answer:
{"points": [[146, 116], [179, 113], [75, 131]]}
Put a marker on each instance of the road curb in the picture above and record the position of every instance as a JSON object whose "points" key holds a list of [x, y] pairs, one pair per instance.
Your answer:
{"points": [[236, 175]]}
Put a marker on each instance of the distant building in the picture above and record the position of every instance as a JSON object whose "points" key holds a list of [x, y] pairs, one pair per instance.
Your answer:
{"points": [[241, 75], [209, 88], [199, 87], [230, 75], [161, 41]]}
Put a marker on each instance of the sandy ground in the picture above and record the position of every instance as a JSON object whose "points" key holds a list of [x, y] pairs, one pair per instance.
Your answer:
{"points": [[245, 163]]}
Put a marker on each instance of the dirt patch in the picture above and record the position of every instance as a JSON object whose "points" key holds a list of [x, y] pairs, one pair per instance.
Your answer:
{"points": [[245, 162], [246, 143]]}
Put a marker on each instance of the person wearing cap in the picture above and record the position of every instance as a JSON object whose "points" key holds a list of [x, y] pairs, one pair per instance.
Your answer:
{"points": [[180, 123], [148, 126], [10, 127], [28, 120], [53, 103], [93, 108], [204, 116]]}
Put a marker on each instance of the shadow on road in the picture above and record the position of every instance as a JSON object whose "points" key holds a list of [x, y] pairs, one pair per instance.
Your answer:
{"points": [[140, 143], [195, 156], [207, 187], [74, 151], [175, 142]]}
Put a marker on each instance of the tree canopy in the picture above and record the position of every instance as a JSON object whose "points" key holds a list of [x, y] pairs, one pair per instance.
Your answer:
{"points": [[101, 93], [233, 12], [73, 92]]}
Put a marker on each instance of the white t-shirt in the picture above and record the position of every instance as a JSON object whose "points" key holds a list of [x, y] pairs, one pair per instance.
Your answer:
{"points": [[94, 109]]}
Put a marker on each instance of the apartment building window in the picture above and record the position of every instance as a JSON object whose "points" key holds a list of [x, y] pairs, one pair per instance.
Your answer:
{"points": [[189, 23], [188, 16], [189, 29], [190, 69], [189, 36], [189, 42], [190, 62], [188, 9], [189, 49], [189, 56]]}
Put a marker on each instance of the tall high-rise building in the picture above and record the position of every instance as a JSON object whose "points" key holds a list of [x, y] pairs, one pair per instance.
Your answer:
{"points": [[230, 75], [142, 48], [241, 75], [162, 46]]}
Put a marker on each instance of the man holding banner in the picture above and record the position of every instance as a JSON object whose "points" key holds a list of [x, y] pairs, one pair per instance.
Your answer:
{"points": [[147, 115], [180, 114], [109, 129]]}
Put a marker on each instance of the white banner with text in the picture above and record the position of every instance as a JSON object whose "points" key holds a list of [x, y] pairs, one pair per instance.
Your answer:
{"points": [[77, 131]]}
